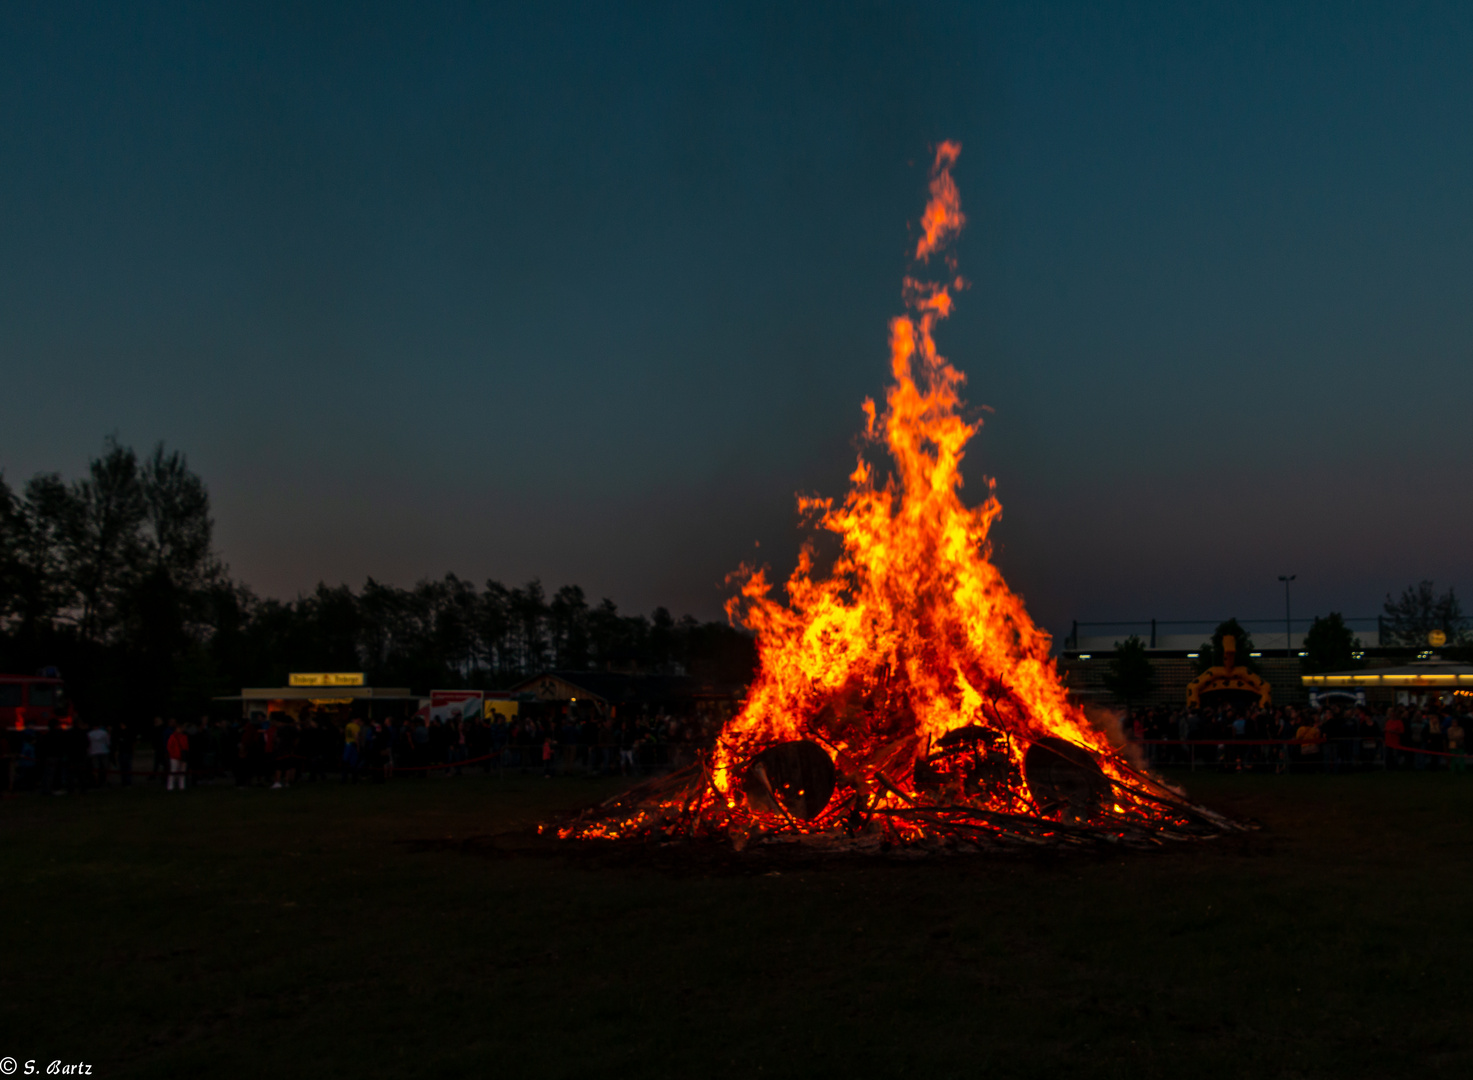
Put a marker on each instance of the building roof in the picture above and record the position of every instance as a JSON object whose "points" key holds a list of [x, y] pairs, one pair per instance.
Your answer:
{"points": [[1429, 674], [314, 693]]}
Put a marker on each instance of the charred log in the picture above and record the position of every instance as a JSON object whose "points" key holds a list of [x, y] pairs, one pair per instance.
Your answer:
{"points": [[1065, 779], [791, 778]]}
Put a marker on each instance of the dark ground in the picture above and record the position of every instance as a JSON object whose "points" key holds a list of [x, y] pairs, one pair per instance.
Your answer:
{"points": [[385, 931]]}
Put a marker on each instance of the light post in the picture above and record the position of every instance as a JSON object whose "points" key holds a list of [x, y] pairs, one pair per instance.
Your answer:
{"points": [[1288, 621]]}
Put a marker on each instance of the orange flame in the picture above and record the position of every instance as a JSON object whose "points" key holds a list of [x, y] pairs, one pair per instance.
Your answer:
{"points": [[909, 646], [913, 631], [943, 217]]}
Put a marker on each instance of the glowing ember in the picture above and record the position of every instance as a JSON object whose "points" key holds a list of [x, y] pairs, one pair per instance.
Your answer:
{"points": [[904, 696]]}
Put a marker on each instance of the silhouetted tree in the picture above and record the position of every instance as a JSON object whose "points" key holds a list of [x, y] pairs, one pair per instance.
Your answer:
{"points": [[115, 579], [40, 579], [1330, 646], [662, 640], [1418, 611], [605, 633], [1211, 653], [1131, 676], [493, 626], [568, 626], [528, 615], [102, 522]]}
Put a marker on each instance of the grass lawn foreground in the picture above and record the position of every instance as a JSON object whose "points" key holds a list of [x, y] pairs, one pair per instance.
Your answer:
{"points": [[377, 931]]}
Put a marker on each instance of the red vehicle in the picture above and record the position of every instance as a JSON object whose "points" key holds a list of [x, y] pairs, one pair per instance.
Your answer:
{"points": [[33, 701]]}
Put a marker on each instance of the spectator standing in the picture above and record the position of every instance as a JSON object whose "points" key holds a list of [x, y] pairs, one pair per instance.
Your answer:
{"points": [[327, 745], [1283, 731], [227, 740], [286, 755], [254, 739], [456, 741], [478, 742], [1417, 739], [499, 736], [417, 742], [99, 749], [204, 750], [78, 768], [406, 745], [51, 759], [159, 741], [627, 738], [1341, 749], [307, 743], [351, 734], [1369, 735], [1434, 738], [388, 736], [242, 736], [1240, 732], [127, 739], [1309, 737], [1395, 728], [270, 730], [176, 747], [194, 761], [1455, 741], [25, 764]]}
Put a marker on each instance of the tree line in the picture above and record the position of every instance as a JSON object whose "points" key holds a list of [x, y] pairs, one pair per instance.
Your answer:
{"points": [[113, 578]]}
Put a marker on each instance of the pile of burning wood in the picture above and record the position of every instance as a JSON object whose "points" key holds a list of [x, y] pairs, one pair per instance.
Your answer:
{"points": [[904, 697], [793, 793]]}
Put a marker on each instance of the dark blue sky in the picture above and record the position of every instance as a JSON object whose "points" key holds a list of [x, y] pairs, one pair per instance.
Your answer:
{"points": [[585, 294]]}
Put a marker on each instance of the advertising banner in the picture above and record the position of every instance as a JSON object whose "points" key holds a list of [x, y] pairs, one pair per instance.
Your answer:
{"points": [[454, 704]]}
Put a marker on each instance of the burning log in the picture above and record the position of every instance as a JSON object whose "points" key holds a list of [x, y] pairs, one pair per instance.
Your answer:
{"points": [[789, 798], [1064, 777], [793, 778], [906, 699]]}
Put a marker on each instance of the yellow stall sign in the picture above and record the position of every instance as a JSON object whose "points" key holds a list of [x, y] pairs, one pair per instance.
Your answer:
{"points": [[325, 678]]}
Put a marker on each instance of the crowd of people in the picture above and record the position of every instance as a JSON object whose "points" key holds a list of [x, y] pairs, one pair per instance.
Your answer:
{"points": [[277, 750], [1331, 738]]}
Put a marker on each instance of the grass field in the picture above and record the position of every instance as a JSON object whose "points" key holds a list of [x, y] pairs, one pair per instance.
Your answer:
{"points": [[375, 931]]}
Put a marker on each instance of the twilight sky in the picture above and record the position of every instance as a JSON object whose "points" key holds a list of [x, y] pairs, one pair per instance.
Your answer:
{"points": [[585, 294]]}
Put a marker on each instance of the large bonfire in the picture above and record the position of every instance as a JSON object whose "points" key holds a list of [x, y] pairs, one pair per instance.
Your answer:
{"points": [[904, 696]]}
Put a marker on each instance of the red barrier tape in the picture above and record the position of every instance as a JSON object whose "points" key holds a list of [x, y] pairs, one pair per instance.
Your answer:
{"points": [[1224, 742], [1293, 742]]}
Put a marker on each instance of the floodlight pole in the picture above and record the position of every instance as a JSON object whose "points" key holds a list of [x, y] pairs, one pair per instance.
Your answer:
{"points": [[1288, 621]]}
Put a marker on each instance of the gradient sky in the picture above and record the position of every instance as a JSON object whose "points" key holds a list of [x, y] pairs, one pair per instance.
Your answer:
{"points": [[588, 294]]}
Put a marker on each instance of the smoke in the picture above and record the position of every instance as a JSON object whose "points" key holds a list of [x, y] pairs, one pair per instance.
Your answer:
{"points": [[1111, 724]]}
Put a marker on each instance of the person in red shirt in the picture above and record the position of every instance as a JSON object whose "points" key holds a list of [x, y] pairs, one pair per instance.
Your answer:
{"points": [[178, 750], [1392, 735]]}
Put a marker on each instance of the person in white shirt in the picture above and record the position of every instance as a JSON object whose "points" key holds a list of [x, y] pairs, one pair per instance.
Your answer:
{"points": [[99, 748]]}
